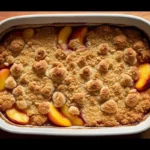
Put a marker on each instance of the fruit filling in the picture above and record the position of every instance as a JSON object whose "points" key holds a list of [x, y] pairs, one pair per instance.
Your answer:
{"points": [[92, 76]]}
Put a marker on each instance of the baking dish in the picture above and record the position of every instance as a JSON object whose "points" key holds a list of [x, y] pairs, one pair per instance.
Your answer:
{"points": [[88, 19]]}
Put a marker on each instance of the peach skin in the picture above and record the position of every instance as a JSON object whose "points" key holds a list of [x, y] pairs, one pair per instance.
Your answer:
{"points": [[17, 117], [143, 82], [75, 120], [63, 37], [2, 66], [4, 74], [57, 118], [79, 33]]}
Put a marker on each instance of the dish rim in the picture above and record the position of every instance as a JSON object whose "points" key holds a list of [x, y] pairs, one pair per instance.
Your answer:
{"points": [[75, 131]]}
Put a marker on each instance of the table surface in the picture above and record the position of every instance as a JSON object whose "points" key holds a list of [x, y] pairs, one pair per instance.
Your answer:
{"points": [[4, 15]]}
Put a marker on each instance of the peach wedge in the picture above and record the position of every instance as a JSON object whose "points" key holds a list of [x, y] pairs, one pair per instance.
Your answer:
{"points": [[4, 74], [63, 37], [75, 120], [17, 117], [79, 33], [57, 118], [143, 82]]}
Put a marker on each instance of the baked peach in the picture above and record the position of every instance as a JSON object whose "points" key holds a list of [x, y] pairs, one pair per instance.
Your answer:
{"points": [[57, 118], [28, 33], [4, 74], [17, 117], [143, 82], [80, 34], [75, 120], [63, 37]]}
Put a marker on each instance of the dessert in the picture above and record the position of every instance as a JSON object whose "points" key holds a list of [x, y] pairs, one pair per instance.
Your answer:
{"points": [[92, 76]]}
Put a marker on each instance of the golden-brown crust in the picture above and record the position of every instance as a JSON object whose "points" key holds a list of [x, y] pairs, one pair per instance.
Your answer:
{"points": [[130, 56], [126, 80], [21, 104], [109, 107], [74, 110], [17, 44], [103, 66], [120, 41], [38, 119], [40, 66], [40, 53], [94, 85], [18, 91], [134, 73], [57, 74], [104, 93], [7, 100], [10, 83], [103, 49], [58, 99], [43, 108], [16, 70], [132, 99]]}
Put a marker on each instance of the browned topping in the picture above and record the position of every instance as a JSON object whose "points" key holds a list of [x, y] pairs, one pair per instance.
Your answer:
{"points": [[40, 53], [59, 99], [132, 100], [79, 98], [109, 107], [57, 74], [103, 49], [74, 110], [139, 45], [38, 119], [103, 66], [94, 85], [47, 91], [74, 44], [134, 73], [104, 93], [19, 90], [118, 56], [40, 67], [120, 41], [43, 108], [17, 44], [7, 100], [130, 56], [22, 104], [16, 70], [10, 83], [126, 80], [85, 72]]}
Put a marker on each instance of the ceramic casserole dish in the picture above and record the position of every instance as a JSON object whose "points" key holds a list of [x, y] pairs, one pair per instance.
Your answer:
{"points": [[74, 19]]}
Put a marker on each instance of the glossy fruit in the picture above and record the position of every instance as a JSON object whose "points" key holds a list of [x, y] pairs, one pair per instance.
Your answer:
{"points": [[17, 117], [57, 118]]}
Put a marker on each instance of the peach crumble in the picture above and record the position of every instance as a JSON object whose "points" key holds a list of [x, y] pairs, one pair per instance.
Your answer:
{"points": [[95, 76]]}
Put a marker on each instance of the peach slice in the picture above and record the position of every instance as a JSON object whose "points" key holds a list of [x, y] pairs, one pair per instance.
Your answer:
{"points": [[79, 33], [75, 120], [17, 117], [143, 82], [57, 118], [4, 74], [63, 37]]}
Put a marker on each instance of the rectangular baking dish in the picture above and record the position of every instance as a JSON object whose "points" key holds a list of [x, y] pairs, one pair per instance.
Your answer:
{"points": [[89, 19]]}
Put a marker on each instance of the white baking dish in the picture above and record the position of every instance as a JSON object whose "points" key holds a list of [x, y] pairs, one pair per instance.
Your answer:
{"points": [[117, 19]]}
